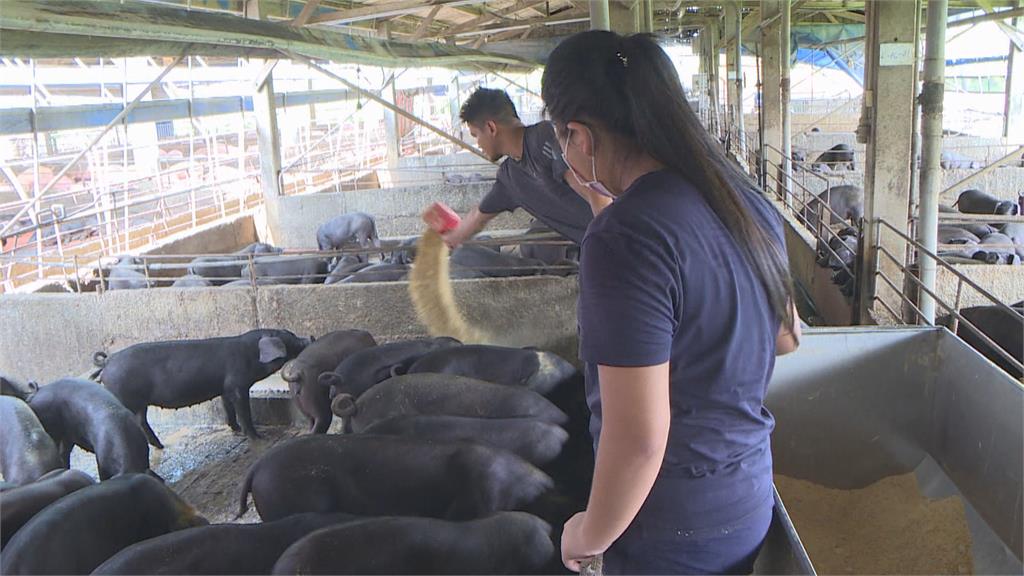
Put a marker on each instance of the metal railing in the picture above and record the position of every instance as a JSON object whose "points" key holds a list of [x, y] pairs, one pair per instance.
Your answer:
{"points": [[814, 211], [99, 215], [953, 308], [162, 270], [834, 120]]}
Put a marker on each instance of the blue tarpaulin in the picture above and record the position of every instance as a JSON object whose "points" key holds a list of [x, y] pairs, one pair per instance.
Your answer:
{"points": [[810, 44], [829, 58]]}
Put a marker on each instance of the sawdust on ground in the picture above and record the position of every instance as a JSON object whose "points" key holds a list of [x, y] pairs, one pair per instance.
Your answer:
{"points": [[885, 528]]}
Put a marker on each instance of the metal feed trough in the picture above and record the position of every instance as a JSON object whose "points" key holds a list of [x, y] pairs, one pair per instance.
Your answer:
{"points": [[855, 405]]}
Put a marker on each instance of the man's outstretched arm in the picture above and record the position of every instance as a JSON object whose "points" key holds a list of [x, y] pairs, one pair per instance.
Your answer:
{"points": [[471, 224]]}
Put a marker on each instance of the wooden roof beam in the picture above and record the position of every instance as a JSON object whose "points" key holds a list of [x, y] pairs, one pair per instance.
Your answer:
{"points": [[847, 15], [490, 17], [308, 9], [375, 11], [425, 23], [1011, 32], [564, 17]]}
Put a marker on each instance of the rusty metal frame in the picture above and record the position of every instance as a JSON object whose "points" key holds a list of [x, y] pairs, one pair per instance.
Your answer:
{"points": [[396, 109], [113, 122]]}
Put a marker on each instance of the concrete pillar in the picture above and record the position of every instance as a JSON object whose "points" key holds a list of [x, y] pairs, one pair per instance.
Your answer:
{"points": [[785, 58], [771, 89], [734, 22], [621, 18], [729, 12], [391, 136], [599, 18], [1013, 112], [267, 135], [932, 94], [711, 32], [867, 100], [646, 12], [455, 106], [889, 159]]}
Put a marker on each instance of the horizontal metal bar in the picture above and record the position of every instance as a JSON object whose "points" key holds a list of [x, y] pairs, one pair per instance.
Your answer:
{"points": [[138, 201], [960, 318], [913, 278], [947, 217], [951, 309], [899, 292], [114, 149], [75, 117], [544, 238], [895, 316], [121, 186], [943, 264]]}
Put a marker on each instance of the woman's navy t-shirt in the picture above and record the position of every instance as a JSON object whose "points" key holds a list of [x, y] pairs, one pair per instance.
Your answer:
{"points": [[662, 280]]}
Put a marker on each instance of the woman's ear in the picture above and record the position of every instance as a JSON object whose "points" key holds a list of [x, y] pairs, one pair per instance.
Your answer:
{"points": [[581, 136]]}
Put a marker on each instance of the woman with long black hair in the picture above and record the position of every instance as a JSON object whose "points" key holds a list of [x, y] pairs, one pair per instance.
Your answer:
{"points": [[685, 301]]}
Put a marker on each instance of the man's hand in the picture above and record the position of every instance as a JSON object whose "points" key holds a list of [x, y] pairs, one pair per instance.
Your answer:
{"points": [[470, 225], [456, 236]]}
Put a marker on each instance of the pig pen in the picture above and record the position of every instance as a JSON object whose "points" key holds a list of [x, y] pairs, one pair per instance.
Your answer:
{"points": [[855, 407], [288, 222]]}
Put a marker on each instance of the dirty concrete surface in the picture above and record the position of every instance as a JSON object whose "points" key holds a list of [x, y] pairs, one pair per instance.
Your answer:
{"points": [[205, 464]]}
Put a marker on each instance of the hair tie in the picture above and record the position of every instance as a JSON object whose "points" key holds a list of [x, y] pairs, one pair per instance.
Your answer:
{"points": [[623, 59]]}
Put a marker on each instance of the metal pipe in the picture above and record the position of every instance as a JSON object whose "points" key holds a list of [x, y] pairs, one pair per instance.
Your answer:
{"points": [[1013, 95], [33, 213], [386, 104], [599, 19], [114, 122], [737, 47], [784, 81], [952, 270], [932, 93]]}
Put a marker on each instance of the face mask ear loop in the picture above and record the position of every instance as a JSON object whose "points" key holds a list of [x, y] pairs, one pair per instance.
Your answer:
{"points": [[594, 184]]}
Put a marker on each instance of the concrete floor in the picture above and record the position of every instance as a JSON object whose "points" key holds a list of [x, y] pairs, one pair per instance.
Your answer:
{"points": [[203, 460], [204, 464]]}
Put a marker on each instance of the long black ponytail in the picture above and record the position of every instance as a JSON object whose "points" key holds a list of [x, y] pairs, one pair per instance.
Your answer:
{"points": [[630, 86]]}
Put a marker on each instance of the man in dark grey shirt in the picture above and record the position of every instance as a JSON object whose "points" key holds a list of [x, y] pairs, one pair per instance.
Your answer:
{"points": [[533, 177]]}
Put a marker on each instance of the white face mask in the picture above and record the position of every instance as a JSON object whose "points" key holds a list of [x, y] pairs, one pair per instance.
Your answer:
{"points": [[594, 184]]}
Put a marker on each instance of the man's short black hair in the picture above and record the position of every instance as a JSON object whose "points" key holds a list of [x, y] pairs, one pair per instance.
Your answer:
{"points": [[488, 104]]}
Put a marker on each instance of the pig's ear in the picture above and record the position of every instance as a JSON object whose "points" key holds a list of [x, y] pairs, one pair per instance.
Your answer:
{"points": [[272, 348]]}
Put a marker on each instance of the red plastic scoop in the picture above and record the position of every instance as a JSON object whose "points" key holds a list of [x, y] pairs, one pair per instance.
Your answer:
{"points": [[441, 218]]}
